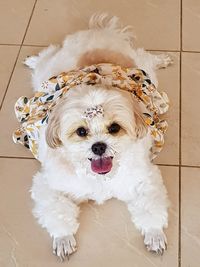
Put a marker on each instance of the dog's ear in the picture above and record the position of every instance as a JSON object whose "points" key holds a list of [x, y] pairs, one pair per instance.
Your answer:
{"points": [[140, 126], [53, 130]]}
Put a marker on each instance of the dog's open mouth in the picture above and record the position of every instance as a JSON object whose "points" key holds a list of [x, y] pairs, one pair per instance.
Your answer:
{"points": [[101, 165]]}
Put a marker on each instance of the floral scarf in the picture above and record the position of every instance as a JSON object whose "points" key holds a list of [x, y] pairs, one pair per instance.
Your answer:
{"points": [[32, 113]]}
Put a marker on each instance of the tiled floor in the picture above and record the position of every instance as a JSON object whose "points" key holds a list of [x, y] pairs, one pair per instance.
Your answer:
{"points": [[106, 236]]}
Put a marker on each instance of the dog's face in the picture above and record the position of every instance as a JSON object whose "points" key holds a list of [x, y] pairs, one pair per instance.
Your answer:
{"points": [[95, 126]]}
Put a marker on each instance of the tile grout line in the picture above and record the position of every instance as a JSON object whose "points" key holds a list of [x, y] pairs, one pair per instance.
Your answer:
{"points": [[180, 133], [163, 50], [38, 45], [31, 45], [10, 44], [15, 157], [9, 80], [17, 57], [156, 50], [149, 50], [177, 165], [188, 51]]}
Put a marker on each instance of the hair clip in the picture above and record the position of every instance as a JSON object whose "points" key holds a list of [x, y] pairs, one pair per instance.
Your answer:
{"points": [[92, 112]]}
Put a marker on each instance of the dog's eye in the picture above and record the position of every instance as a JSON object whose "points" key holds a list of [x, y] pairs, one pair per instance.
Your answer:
{"points": [[114, 128], [81, 131]]}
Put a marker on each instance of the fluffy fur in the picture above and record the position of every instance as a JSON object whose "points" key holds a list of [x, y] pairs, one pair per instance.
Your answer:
{"points": [[66, 179]]}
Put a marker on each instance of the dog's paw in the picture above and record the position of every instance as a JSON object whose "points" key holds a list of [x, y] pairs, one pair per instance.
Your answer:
{"points": [[64, 246], [164, 60], [31, 61], [155, 241]]}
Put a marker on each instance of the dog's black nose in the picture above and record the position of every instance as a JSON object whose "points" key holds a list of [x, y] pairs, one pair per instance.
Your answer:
{"points": [[99, 148]]}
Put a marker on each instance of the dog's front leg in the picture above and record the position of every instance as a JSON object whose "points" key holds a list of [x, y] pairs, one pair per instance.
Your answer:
{"points": [[57, 213], [149, 210]]}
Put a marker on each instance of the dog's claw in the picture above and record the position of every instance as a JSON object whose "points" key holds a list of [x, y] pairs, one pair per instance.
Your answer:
{"points": [[64, 246]]}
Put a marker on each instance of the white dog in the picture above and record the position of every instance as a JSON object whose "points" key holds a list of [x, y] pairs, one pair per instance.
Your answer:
{"points": [[96, 145]]}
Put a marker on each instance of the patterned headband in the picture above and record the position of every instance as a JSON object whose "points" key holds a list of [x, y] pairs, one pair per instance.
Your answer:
{"points": [[34, 112]]}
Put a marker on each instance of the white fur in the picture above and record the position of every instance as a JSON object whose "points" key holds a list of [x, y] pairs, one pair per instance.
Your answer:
{"points": [[66, 179]]}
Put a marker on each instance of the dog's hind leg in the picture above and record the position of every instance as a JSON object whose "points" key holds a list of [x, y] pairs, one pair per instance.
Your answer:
{"points": [[162, 61], [33, 61], [151, 62]]}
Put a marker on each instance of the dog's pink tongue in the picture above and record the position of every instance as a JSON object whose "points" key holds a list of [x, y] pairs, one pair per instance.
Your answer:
{"points": [[101, 165]]}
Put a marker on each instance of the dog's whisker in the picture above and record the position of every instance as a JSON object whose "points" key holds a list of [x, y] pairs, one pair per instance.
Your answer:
{"points": [[113, 150]]}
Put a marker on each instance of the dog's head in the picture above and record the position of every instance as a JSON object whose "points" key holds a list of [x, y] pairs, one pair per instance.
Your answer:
{"points": [[95, 126]]}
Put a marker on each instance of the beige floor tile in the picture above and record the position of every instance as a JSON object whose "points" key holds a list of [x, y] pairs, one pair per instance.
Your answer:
{"points": [[8, 56], [52, 20], [191, 22], [169, 82], [190, 220], [14, 17], [190, 109], [106, 236], [20, 85]]}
